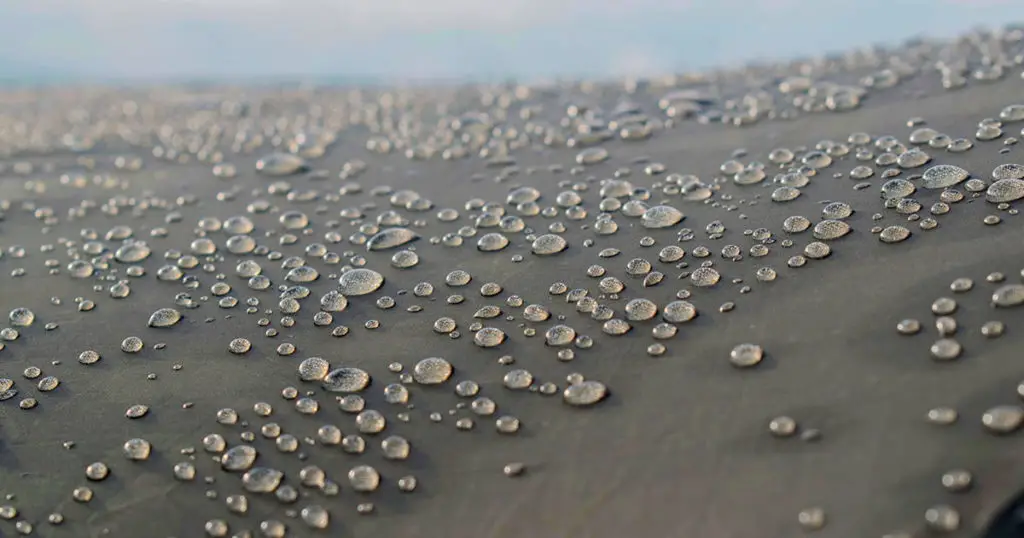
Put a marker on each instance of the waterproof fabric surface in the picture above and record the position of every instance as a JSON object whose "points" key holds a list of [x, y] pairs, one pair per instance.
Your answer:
{"points": [[681, 445]]}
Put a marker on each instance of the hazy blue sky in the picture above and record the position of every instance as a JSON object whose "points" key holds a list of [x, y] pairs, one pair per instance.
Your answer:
{"points": [[143, 39]]}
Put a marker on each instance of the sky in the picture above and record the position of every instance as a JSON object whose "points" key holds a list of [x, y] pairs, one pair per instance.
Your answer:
{"points": [[449, 39]]}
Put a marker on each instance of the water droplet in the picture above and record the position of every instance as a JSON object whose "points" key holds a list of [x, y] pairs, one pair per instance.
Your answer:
{"points": [[507, 424], [942, 416], [137, 449], [1003, 419], [407, 484], [21, 317], [137, 411], [492, 242], [584, 393], [812, 519], [1005, 191], [942, 176], [957, 480], [315, 516], [559, 335], [131, 344], [785, 194], [97, 471], [432, 371], [661, 216], [164, 317], [132, 252], [360, 281], [239, 346], [313, 369], [836, 211], [894, 234], [489, 337], [641, 310], [346, 379], [1008, 296], [391, 238], [548, 244], [281, 164], [993, 329], [514, 469], [946, 349], [897, 188], [830, 230], [333, 301], [796, 224], [782, 426], [704, 277], [518, 379], [364, 478], [395, 448], [746, 355], [592, 156], [238, 458]]}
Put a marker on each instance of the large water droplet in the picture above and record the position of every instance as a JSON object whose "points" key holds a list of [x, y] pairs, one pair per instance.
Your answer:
{"points": [[584, 393], [360, 281], [391, 238], [661, 216], [262, 480], [238, 458], [942, 176], [280, 164], [346, 379], [548, 244], [432, 371], [164, 317], [1005, 190], [1008, 296], [21, 317]]}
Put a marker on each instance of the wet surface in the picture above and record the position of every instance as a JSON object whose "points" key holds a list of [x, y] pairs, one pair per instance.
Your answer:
{"points": [[733, 304]]}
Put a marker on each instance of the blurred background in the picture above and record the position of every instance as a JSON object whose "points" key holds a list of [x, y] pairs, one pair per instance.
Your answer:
{"points": [[58, 41]]}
